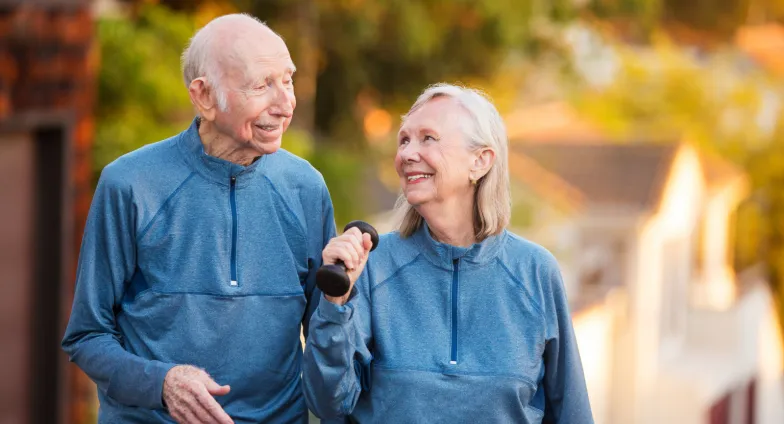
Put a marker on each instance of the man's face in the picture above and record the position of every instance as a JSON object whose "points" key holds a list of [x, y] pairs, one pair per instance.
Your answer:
{"points": [[259, 93]]}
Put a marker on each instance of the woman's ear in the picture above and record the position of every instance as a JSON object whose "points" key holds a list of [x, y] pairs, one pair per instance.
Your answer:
{"points": [[202, 99], [483, 161]]}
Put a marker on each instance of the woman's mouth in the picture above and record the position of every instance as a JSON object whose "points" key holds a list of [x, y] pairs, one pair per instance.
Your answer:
{"points": [[417, 178]]}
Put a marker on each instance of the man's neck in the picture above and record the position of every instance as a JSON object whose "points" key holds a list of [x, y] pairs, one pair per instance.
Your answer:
{"points": [[224, 147]]}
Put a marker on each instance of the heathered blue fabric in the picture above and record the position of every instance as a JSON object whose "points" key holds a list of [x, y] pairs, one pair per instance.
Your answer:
{"points": [[153, 283], [386, 355]]}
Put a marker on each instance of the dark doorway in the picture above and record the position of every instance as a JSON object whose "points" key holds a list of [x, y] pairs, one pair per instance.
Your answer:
{"points": [[44, 312], [33, 213]]}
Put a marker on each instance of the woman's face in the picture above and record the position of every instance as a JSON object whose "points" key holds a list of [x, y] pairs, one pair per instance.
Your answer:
{"points": [[433, 160]]}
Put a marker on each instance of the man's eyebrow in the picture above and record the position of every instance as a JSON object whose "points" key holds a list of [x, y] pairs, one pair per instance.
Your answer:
{"points": [[291, 68]]}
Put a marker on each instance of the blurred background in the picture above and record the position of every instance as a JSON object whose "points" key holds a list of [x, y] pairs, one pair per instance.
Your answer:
{"points": [[646, 152]]}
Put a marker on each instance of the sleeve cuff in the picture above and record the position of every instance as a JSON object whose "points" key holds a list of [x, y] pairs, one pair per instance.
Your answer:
{"points": [[159, 375], [334, 313], [139, 383]]}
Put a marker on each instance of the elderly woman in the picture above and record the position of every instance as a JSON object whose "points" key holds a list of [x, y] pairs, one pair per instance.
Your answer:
{"points": [[454, 318]]}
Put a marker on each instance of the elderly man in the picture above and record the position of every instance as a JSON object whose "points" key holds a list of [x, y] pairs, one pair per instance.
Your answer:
{"points": [[198, 260]]}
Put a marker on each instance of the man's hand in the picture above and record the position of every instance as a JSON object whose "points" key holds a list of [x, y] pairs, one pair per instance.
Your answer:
{"points": [[188, 393]]}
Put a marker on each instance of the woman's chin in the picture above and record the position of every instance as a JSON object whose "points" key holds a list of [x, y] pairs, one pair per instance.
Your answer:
{"points": [[417, 199]]}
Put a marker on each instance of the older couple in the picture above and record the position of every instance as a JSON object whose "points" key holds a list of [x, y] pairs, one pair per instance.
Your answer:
{"points": [[197, 270]]}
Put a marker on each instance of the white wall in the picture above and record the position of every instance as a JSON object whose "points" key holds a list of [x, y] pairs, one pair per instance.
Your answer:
{"points": [[676, 220]]}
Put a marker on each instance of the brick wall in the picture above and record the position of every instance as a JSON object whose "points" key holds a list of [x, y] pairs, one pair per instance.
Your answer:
{"points": [[48, 63]]}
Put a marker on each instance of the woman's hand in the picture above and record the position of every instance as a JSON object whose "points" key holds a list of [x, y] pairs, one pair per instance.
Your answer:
{"points": [[352, 248]]}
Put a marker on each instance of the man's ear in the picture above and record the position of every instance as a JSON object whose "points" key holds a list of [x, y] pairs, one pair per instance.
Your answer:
{"points": [[483, 160], [203, 99]]}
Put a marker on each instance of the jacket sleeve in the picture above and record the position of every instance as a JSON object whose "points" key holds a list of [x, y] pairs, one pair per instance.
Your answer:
{"points": [[566, 395], [107, 262], [321, 232], [336, 365]]}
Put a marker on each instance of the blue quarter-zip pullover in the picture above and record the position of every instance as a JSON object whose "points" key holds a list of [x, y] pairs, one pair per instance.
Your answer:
{"points": [[440, 334], [190, 259]]}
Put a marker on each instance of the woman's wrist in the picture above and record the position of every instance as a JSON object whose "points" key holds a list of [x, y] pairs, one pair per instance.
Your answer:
{"points": [[340, 301]]}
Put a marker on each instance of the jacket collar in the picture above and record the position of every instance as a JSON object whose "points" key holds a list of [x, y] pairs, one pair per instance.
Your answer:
{"points": [[444, 255], [214, 169]]}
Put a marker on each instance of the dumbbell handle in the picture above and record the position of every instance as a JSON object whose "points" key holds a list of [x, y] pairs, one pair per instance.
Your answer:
{"points": [[333, 279]]}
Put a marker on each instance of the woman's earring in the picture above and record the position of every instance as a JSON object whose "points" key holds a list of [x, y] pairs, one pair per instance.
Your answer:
{"points": [[473, 181]]}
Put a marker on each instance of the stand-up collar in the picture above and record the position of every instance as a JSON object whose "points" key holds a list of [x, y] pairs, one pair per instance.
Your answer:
{"points": [[444, 255], [214, 169]]}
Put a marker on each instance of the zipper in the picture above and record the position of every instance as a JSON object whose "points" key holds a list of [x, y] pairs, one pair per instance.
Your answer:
{"points": [[455, 284], [233, 202]]}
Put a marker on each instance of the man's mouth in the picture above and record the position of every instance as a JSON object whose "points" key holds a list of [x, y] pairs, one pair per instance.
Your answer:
{"points": [[268, 127]]}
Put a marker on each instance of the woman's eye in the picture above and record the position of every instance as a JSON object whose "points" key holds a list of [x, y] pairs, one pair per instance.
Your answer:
{"points": [[430, 137], [404, 141]]}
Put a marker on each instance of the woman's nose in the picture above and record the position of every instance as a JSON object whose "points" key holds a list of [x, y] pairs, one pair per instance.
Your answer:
{"points": [[409, 153]]}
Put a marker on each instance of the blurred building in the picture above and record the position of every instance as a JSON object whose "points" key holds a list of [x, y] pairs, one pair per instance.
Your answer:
{"points": [[668, 330], [47, 84]]}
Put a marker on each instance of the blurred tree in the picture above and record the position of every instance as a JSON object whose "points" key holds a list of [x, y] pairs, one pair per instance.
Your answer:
{"points": [[716, 19], [141, 96], [354, 57]]}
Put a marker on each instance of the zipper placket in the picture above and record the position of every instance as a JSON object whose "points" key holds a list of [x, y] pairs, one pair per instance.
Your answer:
{"points": [[233, 202], [455, 287]]}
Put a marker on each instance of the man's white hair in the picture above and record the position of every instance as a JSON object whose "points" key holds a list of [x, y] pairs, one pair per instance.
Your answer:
{"points": [[484, 129], [199, 58]]}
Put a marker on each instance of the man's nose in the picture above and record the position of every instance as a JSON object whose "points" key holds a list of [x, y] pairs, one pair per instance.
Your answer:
{"points": [[282, 104]]}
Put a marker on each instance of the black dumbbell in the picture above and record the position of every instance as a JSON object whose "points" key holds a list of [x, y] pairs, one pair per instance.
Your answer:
{"points": [[332, 279]]}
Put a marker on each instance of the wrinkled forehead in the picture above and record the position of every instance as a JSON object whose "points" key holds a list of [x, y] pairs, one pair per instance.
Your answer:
{"points": [[439, 114], [253, 59]]}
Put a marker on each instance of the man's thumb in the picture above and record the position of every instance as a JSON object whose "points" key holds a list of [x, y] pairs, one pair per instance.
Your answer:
{"points": [[215, 389]]}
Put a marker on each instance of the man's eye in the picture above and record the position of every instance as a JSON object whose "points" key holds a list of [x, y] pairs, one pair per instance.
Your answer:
{"points": [[430, 137], [403, 141]]}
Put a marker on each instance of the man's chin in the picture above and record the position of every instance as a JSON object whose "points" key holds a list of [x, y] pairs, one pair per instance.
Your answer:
{"points": [[267, 147]]}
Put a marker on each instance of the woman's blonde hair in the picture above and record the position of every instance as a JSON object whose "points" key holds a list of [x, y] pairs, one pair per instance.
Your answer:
{"points": [[492, 198]]}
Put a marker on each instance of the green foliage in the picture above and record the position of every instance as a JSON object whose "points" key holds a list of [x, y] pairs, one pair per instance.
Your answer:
{"points": [[668, 93], [389, 50], [342, 170], [717, 18], [384, 52], [141, 95]]}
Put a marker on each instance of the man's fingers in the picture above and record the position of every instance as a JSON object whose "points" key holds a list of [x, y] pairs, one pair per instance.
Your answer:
{"points": [[211, 407], [187, 416], [219, 390], [216, 389]]}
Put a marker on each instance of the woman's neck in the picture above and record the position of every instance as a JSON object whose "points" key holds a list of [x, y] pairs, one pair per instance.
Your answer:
{"points": [[450, 223]]}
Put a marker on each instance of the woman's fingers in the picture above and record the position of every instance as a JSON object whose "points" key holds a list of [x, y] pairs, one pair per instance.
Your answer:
{"points": [[349, 247]]}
